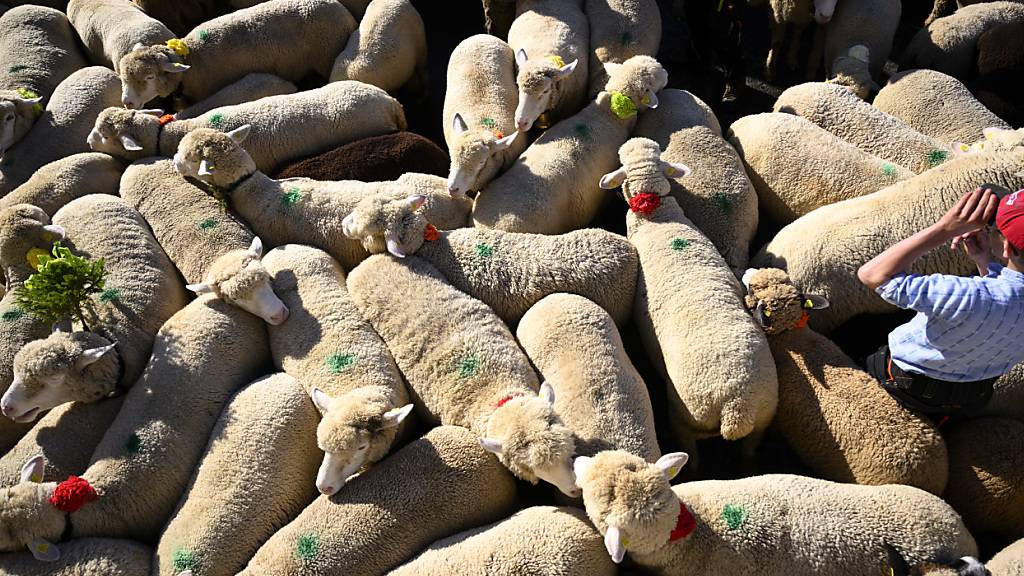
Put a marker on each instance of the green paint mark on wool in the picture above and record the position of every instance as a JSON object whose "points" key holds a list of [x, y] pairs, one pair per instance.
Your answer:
{"points": [[888, 169], [581, 130], [110, 294], [291, 197], [679, 243], [217, 120], [734, 515], [203, 35], [723, 202], [468, 365], [208, 224], [627, 38], [183, 560], [16, 68], [484, 250], [936, 157], [338, 363], [12, 314], [488, 123], [133, 445], [307, 547]]}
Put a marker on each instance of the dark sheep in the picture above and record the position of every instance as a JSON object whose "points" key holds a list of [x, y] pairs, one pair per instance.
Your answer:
{"points": [[373, 159], [1000, 78]]}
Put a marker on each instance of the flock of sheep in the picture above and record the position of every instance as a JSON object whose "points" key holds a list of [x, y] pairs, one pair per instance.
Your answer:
{"points": [[296, 369]]}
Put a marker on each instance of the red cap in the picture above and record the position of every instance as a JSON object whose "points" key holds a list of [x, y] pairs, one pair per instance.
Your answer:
{"points": [[1010, 219]]}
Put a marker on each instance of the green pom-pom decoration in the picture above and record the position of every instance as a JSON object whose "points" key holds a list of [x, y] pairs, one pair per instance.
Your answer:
{"points": [[468, 365], [216, 121], [484, 250], [307, 547], [133, 444], [62, 286], [183, 560], [110, 294], [338, 363], [622, 106], [734, 516], [12, 314], [291, 197], [208, 224], [936, 157], [37, 108], [680, 244]]}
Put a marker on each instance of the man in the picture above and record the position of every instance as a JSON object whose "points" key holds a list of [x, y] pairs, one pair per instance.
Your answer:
{"points": [[968, 330]]}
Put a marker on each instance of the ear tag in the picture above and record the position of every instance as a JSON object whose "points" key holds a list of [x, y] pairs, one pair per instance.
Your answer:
{"points": [[36, 478], [808, 304], [625, 542], [673, 471], [42, 547], [768, 312], [670, 171], [556, 60]]}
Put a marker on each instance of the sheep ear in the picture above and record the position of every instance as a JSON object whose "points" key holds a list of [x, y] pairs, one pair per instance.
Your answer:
{"points": [[580, 466], [567, 69], [205, 168], [416, 202], [129, 143], [895, 562], [91, 355], [613, 543], [34, 469], [491, 445], [747, 276], [991, 133], [138, 46], [395, 416], [670, 464], [151, 112], [860, 52], [174, 67], [761, 314], [24, 100], [547, 392], [201, 288], [44, 550], [55, 230], [393, 246], [971, 566], [256, 247], [676, 170], [521, 57], [610, 68], [814, 302], [321, 399], [613, 180], [241, 133], [505, 142], [185, 573], [652, 99], [459, 125]]}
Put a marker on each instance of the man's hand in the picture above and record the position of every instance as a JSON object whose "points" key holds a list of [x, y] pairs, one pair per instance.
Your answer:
{"points": [[972, 212], [977, 246]]}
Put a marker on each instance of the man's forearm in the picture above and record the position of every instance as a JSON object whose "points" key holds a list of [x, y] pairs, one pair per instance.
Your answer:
{"points": [[901, 256]]}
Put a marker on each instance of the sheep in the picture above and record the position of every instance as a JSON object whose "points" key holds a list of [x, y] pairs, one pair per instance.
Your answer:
{"points": [[340, 361], [509, 272], [868, 23], [840, 112], [225, 49], [937, 105], [834, 415], [949, 44], [181, 16], [479, 113], [797, 166], [551, 188], [986, 472], [620, 30], [550, 40], [1000, 67], [436, 486], [59, 131], [471, 373], [576, 347], [251, 87], [373, 159], [771, 525], [39, 50], [1008, 395], [677, 110], [61, 181], [822, 251], [296, 210], [233, 505], [851, 70], [388, 50], [189, 225], [109, 29], [83, 557], [141, 291], [722, 385], [285, 127], [537, 541], [201, 356], [799, 14], [1008, 562], [498, 16]]}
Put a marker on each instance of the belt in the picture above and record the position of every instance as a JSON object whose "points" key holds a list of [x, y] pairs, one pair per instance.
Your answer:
{"points": [[937, 392]]}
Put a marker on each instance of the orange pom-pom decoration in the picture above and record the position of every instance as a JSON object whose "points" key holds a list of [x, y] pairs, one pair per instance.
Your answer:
{"points": [[802, 323], [167, 119], [72, 494], [644, 203], [431, 233]]}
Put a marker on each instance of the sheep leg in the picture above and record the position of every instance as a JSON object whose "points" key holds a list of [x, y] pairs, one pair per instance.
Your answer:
{"points": [[817, 53], [778, 36], [748, 449], [793, 56]]}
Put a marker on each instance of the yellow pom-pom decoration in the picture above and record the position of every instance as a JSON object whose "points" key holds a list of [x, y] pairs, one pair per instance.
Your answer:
{"points": [[37, 108], [179, 46], [622, 106], [33, 257], [556, 60]]}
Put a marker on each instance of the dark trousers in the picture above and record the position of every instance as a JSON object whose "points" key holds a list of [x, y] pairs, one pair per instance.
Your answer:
{"points": [[938, 400]]}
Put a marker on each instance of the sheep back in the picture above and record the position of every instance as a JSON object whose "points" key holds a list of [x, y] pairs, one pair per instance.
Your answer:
{"points": [[677, 110], [389, 47], [250, 88], [871, 23], [38, 48], [109, 29], [64, 180], [1009, 562], [949, 44], [619, 30], [83, 556], [373, 159]]}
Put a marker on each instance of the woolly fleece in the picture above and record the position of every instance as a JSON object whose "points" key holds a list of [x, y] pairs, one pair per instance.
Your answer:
{"points": [[373, 159], [949, 44], [677, 110], [83, 557], [110, 28], [869, 23], [250, 88], [64, 180], [387, 50], [38, 48], [183, 15], [1009, 562], [619, 30]]}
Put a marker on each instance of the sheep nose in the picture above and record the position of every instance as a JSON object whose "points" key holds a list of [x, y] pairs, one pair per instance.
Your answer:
{"points": [[280, 316], [128, 103], [575, 493], [453, 189], [522, 125], [326, 490]]}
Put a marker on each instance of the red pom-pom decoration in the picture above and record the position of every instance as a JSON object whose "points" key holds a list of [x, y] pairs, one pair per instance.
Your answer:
{"points": [[685, 524], [72, 494], [802, 322], [167, 119], [431, 233], [644, 203]]}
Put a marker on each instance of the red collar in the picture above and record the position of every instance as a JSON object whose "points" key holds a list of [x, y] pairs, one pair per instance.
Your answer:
{"points": [[685, 524], [505, 399], [167, 119]]}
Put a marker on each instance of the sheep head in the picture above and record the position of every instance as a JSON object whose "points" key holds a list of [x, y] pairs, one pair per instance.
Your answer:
{"points": [[214, 157], [853, 70], [64, 367], [529, 438], [33, 512], [537, 80], [357, 428], [18, 112], [823, 10], [25, 233], [240, 279], [475, 156], [995, 140], [126, 134], [633, 85], [643, 176], [148, 72], [966, 566], [630, 500], [776, 303], [382, 223]]}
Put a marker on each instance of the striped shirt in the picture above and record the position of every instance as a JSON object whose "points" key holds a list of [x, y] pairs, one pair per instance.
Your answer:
{"points": [[966, 329]]}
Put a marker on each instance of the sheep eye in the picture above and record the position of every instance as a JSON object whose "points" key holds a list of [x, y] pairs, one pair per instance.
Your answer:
{"points": [[9, 117], [363, 447], [151, 77]]}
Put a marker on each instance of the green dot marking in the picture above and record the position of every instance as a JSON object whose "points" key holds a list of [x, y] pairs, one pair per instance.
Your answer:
{"points": [[133, 444], [734, 516], [468, 366], [217, 120], [936, 157], [110, 294], [723, 202], [208, 224], [679, 243], [338, 363], [581, 130], [291, 197], [17, 68], [626, 38], [488, 123], [888, 169], [203, 34], [12, 314], [484, 250], [184, 559], [307, 547]]}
